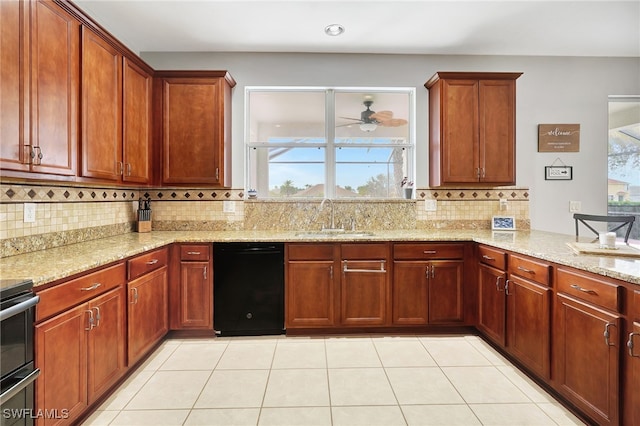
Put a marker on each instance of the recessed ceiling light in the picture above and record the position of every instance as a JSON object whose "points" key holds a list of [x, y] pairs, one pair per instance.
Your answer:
{"points": [[334, 30]]}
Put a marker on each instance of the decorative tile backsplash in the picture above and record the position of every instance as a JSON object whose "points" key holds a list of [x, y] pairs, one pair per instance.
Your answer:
{"points": [[70, 214]]}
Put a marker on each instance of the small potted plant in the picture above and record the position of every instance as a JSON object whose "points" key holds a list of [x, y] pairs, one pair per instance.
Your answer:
{"points": [[408, 188]]}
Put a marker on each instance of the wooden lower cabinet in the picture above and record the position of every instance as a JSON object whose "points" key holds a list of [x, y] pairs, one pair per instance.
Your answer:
{"points": [[427, 292], [528, 324], [310, 293], [363, 290], [191, 287], [147, 313], [81, 353], [491, 303], [633, 349], [587, 358]]}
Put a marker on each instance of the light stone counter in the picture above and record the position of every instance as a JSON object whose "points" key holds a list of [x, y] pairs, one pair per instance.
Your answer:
{"points": [[53, 264]]}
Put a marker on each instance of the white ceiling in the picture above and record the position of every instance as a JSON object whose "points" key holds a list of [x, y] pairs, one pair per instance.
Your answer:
{"points": [[473, 27]]}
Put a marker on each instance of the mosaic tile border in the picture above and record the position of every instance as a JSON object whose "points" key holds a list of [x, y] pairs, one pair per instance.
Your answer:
{"points": [[474, 194], [32, 193]]}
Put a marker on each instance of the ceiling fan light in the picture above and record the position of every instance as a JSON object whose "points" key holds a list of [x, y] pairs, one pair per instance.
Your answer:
{"points": [[334, 30], [368, 127]]}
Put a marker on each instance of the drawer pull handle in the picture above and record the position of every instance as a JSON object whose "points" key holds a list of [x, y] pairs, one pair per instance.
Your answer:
{"points": [[485, 257], [152, 262], [377, 271], [630, 344], [528, 271], [430, 251], [607, 334], [193, 252], [91, 287], [582, 289]]}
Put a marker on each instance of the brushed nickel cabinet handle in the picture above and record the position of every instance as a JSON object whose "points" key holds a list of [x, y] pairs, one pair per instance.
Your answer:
{"points": [[98, 316], [204, 273], [152, 262], [506, 287], [91, 287], [485, 257], [430, 251], [582, 289], [433, 271], [331, 272], [498, 278], [607, 334], [38, 156], [128, 169], [630, 344], [90, 326], [528, 271], [134, 296], [193, 252]]}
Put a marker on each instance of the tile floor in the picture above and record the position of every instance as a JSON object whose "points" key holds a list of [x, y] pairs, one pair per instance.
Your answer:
{"points": [[337, 380]]}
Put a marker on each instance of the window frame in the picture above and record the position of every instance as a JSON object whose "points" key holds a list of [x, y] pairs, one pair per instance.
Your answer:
{"points": [[331, 145]]}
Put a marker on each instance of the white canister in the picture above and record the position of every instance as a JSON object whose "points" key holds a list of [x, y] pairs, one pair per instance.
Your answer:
{"points": [[607, 240]]}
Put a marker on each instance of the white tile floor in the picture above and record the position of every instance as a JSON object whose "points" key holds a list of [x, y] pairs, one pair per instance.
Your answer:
{"points": [[355, 380]]}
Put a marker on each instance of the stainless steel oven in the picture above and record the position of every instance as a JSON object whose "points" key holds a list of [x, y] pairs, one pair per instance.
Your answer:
{"points": [[17, 372]]}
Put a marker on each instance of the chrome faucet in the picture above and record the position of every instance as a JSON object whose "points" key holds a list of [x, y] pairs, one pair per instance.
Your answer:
{"points": [[333, 224]]}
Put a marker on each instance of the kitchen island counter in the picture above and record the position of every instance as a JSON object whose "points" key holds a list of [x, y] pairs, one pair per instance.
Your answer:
{"points": [[53, 264]]}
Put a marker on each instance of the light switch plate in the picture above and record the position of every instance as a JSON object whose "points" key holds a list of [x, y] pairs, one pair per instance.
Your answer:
{"points": [[228, 207], [430, 205], [575, 206], [29, 213]]}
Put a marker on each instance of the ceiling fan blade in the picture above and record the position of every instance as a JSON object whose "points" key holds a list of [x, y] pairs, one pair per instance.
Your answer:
{"points": [[382, 115], [349, 118], [348, 124], [394, 122]]}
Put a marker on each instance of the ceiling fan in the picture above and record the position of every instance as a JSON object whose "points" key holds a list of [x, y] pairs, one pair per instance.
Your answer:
{"points": [[369, 120]]}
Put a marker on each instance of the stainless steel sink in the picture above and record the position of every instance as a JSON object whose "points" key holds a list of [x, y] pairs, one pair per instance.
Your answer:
{"points": [[334, 234]]}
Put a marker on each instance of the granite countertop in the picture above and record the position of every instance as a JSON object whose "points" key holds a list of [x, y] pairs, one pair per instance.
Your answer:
{"points": [[53, 264]]}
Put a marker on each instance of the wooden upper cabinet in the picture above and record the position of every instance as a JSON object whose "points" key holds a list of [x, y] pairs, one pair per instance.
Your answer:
{"points": [[101, 108], [196, 128], [136, 123], [40, 88], [471, 128]]}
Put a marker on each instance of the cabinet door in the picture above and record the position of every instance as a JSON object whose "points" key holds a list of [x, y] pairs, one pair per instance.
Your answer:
{"points": [[459, 132], [445, 291], [147, 313], [634, 354], [528, 324], [491, 304], [136, 123], [363, 292], [61, 355], [586, 363], [14, 102], [193, 131], [196, 295], [101, 108], [107, 340], [497, 131], [55, 82], [410, 297], [310, 294]]}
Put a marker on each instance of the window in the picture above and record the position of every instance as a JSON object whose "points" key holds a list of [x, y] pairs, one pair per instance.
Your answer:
{"points": [[623, 192], [329, 142]]}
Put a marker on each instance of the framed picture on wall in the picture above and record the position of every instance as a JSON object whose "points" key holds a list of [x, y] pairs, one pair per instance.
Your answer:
{"points": [[503, 223], [558, 173]]}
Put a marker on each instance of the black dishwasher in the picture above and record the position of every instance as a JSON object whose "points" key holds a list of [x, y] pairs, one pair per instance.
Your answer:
{"points": [[248, 289]]}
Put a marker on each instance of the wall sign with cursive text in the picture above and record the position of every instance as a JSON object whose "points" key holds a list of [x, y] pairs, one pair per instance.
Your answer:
{"points": [[558, 137]]}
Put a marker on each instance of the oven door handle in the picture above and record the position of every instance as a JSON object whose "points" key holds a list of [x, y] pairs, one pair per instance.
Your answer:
{"points": [[20, 307], [15, 389]]}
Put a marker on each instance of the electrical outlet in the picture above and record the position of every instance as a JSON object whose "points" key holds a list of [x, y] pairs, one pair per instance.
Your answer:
{"points": [[430, 205], [575, 206], [228, 206], [29, 213], [503, 204]]}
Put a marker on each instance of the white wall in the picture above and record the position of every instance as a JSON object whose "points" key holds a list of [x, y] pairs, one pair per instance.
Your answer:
{"points": [[551, 90]]}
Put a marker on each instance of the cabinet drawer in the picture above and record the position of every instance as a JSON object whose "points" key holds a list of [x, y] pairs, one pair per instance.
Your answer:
{"points": [[310, 251], [529, 268], [147, 262], [68, 294], [195, 252], [589, 288], [428, 251], [365, 251], [494, 257]]}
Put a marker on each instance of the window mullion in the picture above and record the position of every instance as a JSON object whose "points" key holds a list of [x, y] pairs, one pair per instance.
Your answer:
{"points": [[330, 154]]}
